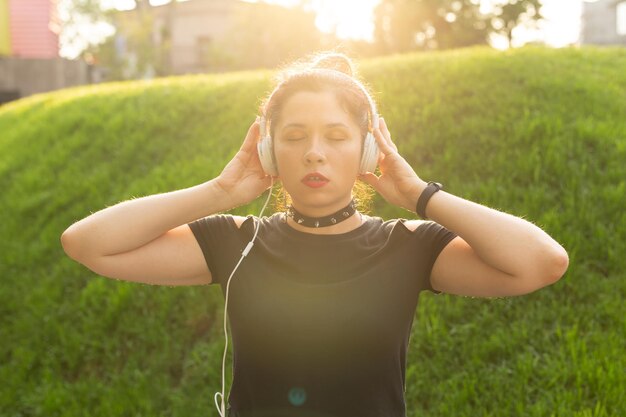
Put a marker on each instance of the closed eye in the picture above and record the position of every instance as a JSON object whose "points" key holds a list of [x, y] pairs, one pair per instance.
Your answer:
{"points": [[337, 134]]}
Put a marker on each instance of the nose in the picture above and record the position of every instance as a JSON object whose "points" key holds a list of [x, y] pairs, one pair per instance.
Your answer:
{"points": [[314, 153]]}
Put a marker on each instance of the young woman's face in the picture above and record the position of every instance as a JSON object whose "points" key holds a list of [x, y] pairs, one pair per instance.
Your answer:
{"points": [[318, 149]]}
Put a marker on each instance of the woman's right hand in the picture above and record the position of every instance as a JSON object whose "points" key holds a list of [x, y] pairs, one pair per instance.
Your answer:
{"points": [[243, 179]]}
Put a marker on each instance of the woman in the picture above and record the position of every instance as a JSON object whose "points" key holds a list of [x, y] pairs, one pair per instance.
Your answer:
{"points": [[322, 302]]}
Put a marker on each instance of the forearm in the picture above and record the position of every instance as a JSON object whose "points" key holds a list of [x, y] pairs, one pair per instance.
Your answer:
{"points": [[133, 223], [508, 243]]}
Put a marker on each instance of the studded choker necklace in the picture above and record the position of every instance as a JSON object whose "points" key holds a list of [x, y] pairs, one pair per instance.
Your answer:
{"points": [[330, 220]]}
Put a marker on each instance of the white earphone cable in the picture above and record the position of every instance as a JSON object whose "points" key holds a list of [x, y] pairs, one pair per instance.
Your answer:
{"points": [[221, 408]]}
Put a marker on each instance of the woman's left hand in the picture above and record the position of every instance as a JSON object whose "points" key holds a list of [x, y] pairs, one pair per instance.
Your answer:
{"points": [[398, 182]]}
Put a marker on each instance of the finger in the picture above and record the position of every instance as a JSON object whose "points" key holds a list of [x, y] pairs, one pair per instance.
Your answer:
{"points": [[249, 143], [369, 178], [386, 133], [267, 181], [382, 142]]}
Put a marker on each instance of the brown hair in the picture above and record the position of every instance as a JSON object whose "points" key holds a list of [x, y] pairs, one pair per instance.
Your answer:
{"points": [[319, 72]]}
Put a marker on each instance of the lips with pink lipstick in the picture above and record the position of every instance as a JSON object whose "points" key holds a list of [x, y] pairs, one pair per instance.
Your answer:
{"points": [[314, 180]]}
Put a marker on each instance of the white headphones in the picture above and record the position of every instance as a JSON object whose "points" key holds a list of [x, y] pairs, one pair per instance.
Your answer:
{"points": [[369, 158]]}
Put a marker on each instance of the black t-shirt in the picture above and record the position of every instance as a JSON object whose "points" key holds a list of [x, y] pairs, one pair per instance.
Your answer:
{"points": [[320, 323]]}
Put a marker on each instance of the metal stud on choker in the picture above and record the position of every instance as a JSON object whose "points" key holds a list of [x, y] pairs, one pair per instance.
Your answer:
{"points": [[329, 220]]}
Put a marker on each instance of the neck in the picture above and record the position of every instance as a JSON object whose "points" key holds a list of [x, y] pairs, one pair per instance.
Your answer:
{"points": [[321, 211], [331, 219]]}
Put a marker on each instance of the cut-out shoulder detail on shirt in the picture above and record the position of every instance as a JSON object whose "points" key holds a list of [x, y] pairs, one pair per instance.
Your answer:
{"points": [[239, 220], [412, 225]]}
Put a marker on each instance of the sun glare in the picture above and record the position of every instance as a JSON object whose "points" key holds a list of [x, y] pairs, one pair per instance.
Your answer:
{"points": [[354, 19], [348, 18]]}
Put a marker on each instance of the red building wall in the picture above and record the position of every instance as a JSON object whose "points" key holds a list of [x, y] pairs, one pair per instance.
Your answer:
{"points": [[33, 28]]}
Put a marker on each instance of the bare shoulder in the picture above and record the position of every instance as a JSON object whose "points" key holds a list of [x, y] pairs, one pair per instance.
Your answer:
{"points": [[239, 220], [413, 224]]}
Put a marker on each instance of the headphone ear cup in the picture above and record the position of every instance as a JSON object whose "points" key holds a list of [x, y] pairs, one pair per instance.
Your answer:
{"points": [[369, 159], [265, 149]]}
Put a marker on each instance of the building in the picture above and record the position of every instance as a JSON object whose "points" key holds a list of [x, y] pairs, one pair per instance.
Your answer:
{"points": [[29, 28], [604, 23], [194, 29], [29, 51], [188, 26]]}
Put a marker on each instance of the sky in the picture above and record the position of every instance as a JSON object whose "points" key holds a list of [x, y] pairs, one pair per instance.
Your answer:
{"points": [[354, 19]]}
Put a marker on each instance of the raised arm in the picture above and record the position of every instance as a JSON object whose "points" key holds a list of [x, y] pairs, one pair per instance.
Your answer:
{"points": [[147, 239], [494, 254]]}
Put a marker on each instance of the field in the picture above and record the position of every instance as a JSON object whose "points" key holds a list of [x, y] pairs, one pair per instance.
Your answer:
{"points": [[538, 133]]}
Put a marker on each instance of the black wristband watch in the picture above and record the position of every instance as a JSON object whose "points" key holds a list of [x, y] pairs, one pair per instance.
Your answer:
{"points": [[430, 189]]}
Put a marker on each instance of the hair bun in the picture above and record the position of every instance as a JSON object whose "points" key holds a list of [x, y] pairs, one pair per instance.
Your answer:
{"points": [[335, 61]]}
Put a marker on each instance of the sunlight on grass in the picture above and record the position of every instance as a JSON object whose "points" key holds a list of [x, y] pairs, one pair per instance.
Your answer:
{"points": [[535, 132]]}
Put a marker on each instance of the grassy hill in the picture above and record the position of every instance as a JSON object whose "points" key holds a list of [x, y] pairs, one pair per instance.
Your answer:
{"points": [[536, 132]]}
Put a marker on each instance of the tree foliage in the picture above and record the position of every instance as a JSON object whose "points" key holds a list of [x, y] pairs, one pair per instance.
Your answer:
{"points": [[405, 25], [508, 16], [138, 49]]}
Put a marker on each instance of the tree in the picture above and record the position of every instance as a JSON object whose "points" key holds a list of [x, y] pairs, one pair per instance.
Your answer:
{"points": [[75, 14], [132, 54], [404, 25], [508, 16]]}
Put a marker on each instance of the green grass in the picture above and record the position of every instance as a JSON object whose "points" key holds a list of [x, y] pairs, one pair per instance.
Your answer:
{"points": [[536, 132]]}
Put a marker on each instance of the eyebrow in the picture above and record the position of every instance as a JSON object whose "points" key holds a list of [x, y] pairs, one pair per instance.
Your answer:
{"points": [[303, 125]]}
